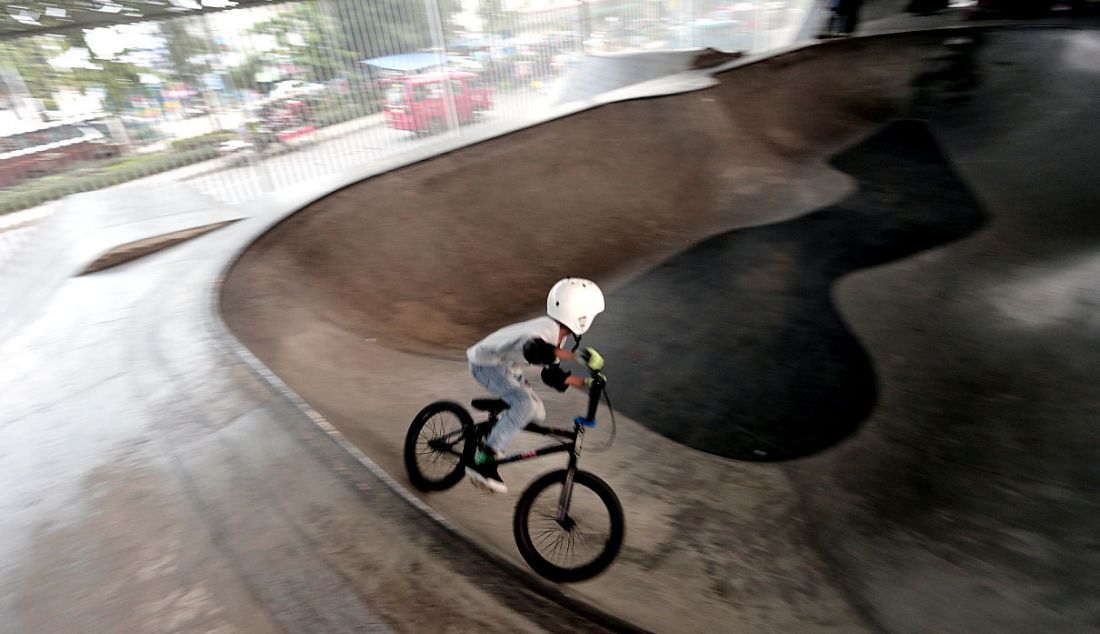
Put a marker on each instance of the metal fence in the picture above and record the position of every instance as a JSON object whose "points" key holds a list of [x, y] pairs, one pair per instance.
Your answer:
{"points": [[242, 101]]}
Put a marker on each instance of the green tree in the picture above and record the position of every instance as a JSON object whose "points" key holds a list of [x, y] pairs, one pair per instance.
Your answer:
{"points": [[118, 79], [29, 56], [495, 18], [386, 27], [337, 34], [244, 75], [186, 51], [310, 37], [447, 11]]}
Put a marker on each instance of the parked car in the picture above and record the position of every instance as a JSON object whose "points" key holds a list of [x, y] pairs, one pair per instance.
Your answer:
{"points": [[233, 146], [420, 103], [293, 88], [51, 149], [279, 122]]}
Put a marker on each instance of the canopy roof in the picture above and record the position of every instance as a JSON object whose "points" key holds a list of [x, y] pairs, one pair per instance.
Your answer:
{"points": [[31, 17], [406, 62]]}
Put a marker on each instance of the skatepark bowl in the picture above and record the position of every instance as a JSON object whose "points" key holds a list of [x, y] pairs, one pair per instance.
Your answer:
{"points": [[851, 328]]}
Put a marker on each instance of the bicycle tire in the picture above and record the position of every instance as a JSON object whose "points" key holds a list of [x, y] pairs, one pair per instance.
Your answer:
{"points": [[530, 551], [417, 459]]}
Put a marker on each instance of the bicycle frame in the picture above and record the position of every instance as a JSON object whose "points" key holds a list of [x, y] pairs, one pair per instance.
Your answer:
{"points": [[548, 523], [574, 447]]}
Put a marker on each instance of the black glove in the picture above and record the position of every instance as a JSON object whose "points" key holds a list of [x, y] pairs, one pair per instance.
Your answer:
{"points": [[554, 376], [539, 352]]}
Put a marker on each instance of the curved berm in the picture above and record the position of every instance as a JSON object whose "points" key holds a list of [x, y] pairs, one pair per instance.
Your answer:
{"points": [[874, 261], [735, 346]]}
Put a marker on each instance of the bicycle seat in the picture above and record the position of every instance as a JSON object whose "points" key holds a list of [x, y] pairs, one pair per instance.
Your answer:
{"points": [[491, 405]]}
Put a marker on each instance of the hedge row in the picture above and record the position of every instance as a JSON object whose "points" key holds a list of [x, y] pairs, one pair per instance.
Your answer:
{"points": [[47, 188], [182, 152]]}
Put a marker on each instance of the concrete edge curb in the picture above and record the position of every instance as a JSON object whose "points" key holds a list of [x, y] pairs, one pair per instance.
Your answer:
{"points": [[137, 249]]}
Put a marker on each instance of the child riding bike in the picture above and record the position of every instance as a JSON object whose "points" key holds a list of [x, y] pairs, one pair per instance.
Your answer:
{"points": [[497, 363]]}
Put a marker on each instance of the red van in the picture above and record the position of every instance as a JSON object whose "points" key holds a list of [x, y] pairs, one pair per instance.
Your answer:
{"points": [[418, 103]]}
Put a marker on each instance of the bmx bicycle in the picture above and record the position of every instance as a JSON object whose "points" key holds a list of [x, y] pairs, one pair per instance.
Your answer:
{"points": [[568, 524]]}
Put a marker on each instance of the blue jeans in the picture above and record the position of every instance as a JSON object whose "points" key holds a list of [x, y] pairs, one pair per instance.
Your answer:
{"points": [[523, 405]]}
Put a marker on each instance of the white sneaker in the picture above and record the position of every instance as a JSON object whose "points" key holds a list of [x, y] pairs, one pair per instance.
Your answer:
{"points": [[485, 476]]}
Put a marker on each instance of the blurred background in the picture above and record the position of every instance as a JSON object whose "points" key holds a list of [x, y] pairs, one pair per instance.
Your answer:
{"points": [[850, 287], [239, 98]]}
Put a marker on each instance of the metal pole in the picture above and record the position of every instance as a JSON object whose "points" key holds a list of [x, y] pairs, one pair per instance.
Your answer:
{"points": [[435, 20], [586, 24]]}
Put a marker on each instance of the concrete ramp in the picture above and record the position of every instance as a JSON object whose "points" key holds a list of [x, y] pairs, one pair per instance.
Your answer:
{"points": [[599, 74], [471, 238], [898, 233], [87, 228]]}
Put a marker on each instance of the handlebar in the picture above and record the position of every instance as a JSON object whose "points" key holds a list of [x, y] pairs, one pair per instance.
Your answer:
{"points": [[597, 390], [594, 393]]}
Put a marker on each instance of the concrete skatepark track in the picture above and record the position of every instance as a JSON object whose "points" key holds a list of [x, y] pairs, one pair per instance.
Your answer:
{"points": [[910, 322], [153, 483]]}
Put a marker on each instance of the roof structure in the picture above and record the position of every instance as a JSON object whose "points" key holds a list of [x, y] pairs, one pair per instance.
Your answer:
{"points": [[406, 62], [31, 17]]}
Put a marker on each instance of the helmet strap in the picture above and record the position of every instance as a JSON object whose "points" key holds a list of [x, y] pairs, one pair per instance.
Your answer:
{"points": [[576, 342]]}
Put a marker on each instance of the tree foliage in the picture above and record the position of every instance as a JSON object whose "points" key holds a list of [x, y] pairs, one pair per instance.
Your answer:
{"points": [[389, 27], [27, 56], [116, 78], [31, 57], [185, 51], [495, 18], [330, 38], [311, 38]]}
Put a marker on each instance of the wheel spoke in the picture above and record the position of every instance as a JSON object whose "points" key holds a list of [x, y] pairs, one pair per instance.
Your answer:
{"points": [[580, 540], [556, 546], [544, 538], [439, 445], [585, 539]]}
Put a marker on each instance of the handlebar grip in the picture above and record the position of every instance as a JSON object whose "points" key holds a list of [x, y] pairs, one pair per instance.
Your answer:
{"points": [[594, 392]]}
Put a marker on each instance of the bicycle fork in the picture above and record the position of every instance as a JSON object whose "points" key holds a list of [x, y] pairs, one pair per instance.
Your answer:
{"points": [[567, 486], [574, 455]]}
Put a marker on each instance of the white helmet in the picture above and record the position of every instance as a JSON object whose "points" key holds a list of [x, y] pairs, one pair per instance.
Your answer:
{"points": [[574, 303]]}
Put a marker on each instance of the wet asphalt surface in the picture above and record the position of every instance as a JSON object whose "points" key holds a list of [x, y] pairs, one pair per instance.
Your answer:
{"points": [[735, 347]]}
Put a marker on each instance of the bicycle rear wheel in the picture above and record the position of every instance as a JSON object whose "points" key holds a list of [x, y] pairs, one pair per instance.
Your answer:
{"points": [[435, 445], [578, 546]]}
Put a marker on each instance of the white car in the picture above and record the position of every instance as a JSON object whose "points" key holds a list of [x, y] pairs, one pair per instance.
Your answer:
{"points": [[233, 145], [294, 87]]}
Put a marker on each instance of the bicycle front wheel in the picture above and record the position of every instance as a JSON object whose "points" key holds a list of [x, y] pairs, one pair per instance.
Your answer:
{"points": [[435, 445], [577, 545]]}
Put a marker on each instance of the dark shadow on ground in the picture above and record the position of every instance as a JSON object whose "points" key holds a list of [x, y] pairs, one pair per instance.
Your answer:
{"points": [[735, 347]]}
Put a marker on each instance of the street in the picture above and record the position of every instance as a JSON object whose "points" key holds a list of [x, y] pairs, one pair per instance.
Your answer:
{"points": [[343, 147]]}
